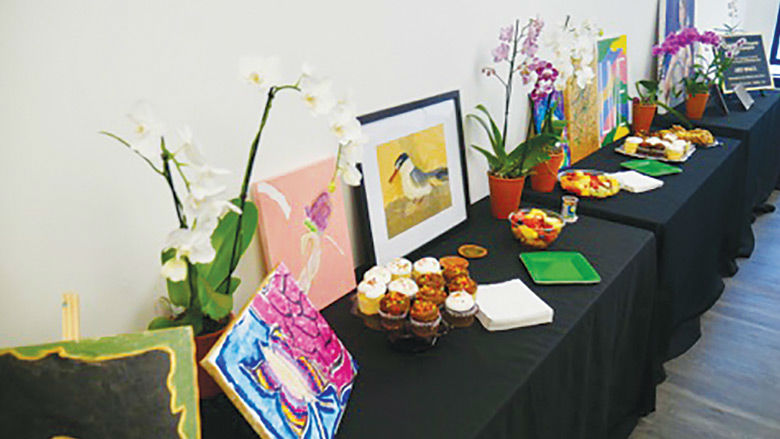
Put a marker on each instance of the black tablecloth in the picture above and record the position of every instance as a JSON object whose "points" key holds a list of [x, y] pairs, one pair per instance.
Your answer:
{"points": [[586, 375], [759, 128], [699, 222]]}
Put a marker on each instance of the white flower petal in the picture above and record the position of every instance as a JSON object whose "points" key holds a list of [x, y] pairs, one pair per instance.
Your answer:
{"points": [[350, 175], [174, 269], [260, 72]]}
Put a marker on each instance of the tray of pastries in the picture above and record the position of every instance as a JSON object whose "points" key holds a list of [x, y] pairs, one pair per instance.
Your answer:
{"points": [[700, 137], [666, 147]]}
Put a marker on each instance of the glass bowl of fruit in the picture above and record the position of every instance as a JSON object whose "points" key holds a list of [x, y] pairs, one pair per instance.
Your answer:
{"points": [[536, 228], [588, 183]]}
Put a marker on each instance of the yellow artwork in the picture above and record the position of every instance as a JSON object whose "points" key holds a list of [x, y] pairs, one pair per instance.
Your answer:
{"points": [[414, 178], [582, 113]]}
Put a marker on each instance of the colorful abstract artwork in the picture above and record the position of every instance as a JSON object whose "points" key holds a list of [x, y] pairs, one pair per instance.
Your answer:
{"points": [[582, 114], [139, 385], [302, 222], [540, 110], [282, 365], [612, 89], [674, 15]]}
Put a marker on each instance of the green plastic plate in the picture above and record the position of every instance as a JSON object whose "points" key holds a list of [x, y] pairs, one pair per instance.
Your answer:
{"points": [[653, 168], [559, 268]]}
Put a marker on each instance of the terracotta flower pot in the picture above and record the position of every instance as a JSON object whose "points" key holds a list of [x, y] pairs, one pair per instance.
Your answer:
{"points": [[546, 174], [695, 105], [505, 195], [203, 344], [643, 116]]}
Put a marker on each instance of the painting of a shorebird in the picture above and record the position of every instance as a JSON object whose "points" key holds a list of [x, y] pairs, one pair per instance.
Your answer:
{"points": [[414, 177]]}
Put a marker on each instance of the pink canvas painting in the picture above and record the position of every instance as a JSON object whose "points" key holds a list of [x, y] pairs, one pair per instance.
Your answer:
{"points": [[302, 222]]}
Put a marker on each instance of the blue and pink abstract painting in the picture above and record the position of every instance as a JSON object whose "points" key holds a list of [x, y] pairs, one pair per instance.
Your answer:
{"points": [[282, 365]]}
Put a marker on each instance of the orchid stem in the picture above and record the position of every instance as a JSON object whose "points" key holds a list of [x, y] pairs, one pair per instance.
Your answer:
{"points": [[508, 84]]}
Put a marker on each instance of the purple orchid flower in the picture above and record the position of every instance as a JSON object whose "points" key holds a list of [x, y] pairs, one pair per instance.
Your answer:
{"points": [[501, 53], [506, 33]]}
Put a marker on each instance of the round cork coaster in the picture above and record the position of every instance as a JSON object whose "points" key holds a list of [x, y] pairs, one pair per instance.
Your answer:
{"points": [[472, 251]]}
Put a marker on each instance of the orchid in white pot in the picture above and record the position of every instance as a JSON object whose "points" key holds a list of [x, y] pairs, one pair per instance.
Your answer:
{"points": [[213, 232]]}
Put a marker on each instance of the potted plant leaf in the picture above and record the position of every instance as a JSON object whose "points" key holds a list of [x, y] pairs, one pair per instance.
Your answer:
{"points": [[202, 253], [645, 105], [545, 174]]}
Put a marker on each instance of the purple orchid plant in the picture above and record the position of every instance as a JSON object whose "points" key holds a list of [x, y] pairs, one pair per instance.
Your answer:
{"points": [[706, 72], [519, 49]]}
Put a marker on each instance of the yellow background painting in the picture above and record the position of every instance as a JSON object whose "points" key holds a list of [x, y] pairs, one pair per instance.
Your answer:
{"points": [[427, 151], [582, 112]]}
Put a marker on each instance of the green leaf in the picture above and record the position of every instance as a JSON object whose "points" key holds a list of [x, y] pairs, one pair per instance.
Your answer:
{"points": [[178, 292], [537, 142], [484, 126], [191, 317], [498, 144], [213, 304], [492, 160], [222, 239], [161, 323]]}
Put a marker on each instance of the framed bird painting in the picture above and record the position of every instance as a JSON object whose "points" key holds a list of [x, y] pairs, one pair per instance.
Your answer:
{"points": [[414, 176]]}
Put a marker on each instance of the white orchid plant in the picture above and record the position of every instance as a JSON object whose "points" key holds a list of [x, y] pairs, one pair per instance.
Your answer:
{"points": [[572, 49], [200, 256]]}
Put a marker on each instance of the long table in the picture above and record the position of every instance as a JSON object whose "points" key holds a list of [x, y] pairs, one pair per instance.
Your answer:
{"points": [[699, 220], [759, 128], [586, 375]]}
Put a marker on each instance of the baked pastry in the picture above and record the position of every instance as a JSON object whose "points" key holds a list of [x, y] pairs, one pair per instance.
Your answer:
{"points": [[676, 150], [460, 309], [382, 274], [404, 286], [652, 147], [463, 283], [393, 308], [631, 144], [435, 280], [426, 266], [455, 271], [698, 136], [425, 318], [370, 292], [453, 261], [432, 294], [400, 268]]}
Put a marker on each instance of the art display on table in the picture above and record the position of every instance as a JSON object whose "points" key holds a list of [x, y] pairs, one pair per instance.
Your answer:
{"points": [[281, 364], [302, 222], [127, 386], [749, 67], [612, 89], [540, 109], [582, 113], [673, 16], [414, 175]]}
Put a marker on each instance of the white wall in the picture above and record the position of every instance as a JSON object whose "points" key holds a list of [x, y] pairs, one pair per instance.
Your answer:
{"points": [[80, 212]]}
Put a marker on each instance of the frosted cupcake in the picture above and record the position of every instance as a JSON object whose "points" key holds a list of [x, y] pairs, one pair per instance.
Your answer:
{"points": [[400, 268], [425, 318], [676, 150], [431, 294], [379, 273], [426, 266], [460, 309], [404, 286], [393, 308], [463, 283], [370, 292], [631, 144]]}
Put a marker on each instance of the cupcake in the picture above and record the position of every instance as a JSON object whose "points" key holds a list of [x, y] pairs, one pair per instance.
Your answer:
{"points": [[370, 291], [434, 280], [453, 261], [631, 144], [426, 266], [676, 150], [404, 286], [400, 268], [463, 283], [393, 308], [425, 318], [380, 273], [432, 294], [460, 309], [451, 273]]}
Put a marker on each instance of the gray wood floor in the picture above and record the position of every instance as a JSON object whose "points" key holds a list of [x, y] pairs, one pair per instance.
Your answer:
{"points": [[728, 384]]}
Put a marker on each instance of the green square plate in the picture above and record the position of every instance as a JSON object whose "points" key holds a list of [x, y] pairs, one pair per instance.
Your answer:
{"points": [[559, 268], [653, 168]]}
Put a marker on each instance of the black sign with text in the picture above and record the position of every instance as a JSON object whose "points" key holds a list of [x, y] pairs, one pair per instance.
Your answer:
{"points": [[750, 68]]}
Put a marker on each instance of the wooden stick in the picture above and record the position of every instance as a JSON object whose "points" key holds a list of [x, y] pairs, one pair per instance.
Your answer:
{"points": [[71, 325]]}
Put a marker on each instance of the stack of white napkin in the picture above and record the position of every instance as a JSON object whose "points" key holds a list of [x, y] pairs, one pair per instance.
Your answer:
{"points": [[510, 305], [633, 181]]}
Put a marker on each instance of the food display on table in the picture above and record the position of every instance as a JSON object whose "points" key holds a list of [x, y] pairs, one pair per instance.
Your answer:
{"points": [[663, 145], [698, 136], [588, 183], [536, 228], [472, 251], [421, 301]]}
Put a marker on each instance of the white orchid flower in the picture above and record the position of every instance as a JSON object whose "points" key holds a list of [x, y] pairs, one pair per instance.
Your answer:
{"points": [[352, 152], [187, 148], [260, 72], [349, 174], [192, 244], [584, 76], [147, 131], [318, 95], [344, 124]]}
